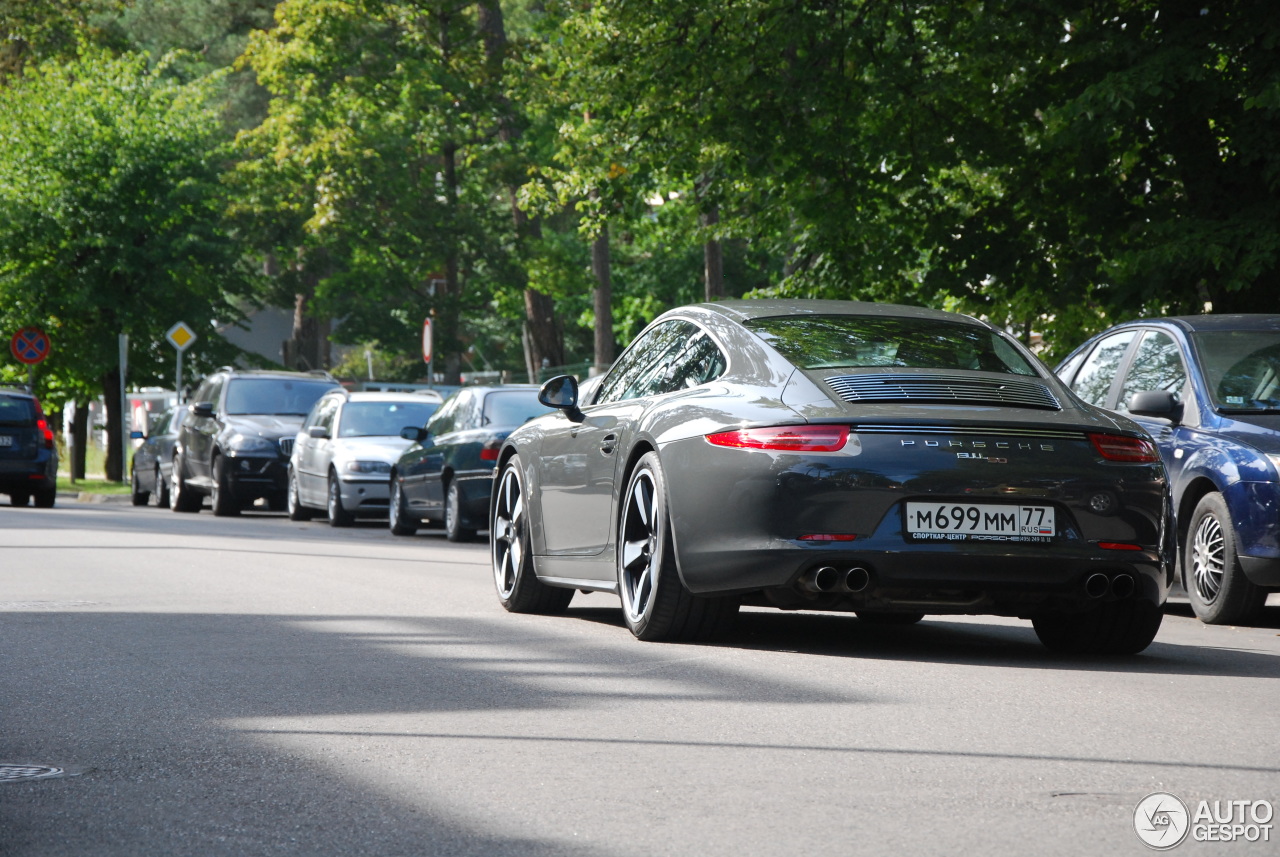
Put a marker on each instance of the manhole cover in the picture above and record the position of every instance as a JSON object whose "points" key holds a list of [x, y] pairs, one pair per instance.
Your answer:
{"points": [[12, 773]]}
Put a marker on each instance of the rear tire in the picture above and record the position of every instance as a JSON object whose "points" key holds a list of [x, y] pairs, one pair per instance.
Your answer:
{"points": [[161, 493], [223, 500], [655, 604], [1110, 628], [19, 500], [181, 496], [45, 496], [338, 514], [297, 511], [1216, 585], [511, 552], [399, 519], [136, 494], [453, 529]]}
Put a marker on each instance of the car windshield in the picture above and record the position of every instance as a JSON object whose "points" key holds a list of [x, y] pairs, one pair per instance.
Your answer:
{"points": [[1242, 368], [383, 419], [512, 407], [17, 411], [274, 396], [863, 342]]}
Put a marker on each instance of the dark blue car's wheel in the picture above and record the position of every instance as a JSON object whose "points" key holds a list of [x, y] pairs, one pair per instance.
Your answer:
{"points": [[655, 604], [519, 589], [1219, 592]]}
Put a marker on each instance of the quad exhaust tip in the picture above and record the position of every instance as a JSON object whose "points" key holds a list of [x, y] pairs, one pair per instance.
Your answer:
{"points": [[1099, 585], [828, 578]]}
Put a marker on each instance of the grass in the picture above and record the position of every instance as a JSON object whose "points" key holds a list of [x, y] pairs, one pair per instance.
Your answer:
{"points": [[93, 483]]}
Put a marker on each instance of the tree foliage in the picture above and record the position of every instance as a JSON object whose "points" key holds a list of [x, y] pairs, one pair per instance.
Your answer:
{"points": [[110, 214]]}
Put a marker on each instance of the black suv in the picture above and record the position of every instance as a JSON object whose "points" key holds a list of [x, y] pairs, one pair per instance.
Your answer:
{"points": [[236, 437], [28, 456]]}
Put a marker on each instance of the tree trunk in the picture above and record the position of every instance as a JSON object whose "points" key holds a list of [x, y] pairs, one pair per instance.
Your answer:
{"points": [[307, 347], [111, 394], [79, 439], [545, 336], [712, 257], [603, 300]]}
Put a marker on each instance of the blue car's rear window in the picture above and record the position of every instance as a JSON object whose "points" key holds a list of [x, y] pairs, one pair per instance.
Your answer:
{"points": [[17, 411], [857, 341]]}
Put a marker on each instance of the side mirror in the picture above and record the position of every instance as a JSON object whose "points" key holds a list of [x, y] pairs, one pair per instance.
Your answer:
{"points": [[318, 432], [136, 435], [414, 433], [561, 393], [1156, 403], [201, 409]]}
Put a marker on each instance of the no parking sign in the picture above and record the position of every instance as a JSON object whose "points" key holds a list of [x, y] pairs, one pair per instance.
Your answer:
{"points": [[29, 345]]}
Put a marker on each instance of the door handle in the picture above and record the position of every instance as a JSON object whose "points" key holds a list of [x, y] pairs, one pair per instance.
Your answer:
{"points": [[607, 443]]}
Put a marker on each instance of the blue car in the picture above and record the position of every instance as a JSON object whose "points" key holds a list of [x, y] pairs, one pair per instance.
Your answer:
{"points": [[1207, 389], [446, 475]]}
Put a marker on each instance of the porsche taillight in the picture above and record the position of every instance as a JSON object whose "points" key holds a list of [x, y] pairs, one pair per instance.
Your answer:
{"points": [[814, 438], [1120, 447]]}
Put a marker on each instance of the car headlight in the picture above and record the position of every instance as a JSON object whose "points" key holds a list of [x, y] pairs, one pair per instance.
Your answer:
{"points": [[248, 443], [368, 467]]}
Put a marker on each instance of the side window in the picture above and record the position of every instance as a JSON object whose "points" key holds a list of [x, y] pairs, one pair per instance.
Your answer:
{"points": [[442, 421], [214, 393], [328, 409], [1157, 365], [645, 367], [1099, 370], [697, 363], [313, 418]]}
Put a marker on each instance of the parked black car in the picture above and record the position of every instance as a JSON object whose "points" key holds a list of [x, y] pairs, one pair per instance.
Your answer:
{"points": [[237, 435], [447, 474], [886, 460], [1207, 389], [152, 466], [28, 455]]}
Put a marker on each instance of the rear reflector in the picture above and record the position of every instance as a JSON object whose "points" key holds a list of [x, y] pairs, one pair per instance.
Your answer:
{"points": [[1119, 447], [1119, 546], [828, 537], [487, 454], [786, 438]]}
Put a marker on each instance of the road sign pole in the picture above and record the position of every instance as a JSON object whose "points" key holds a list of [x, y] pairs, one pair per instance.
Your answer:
{"points": [[125, 417], [177, 378]]}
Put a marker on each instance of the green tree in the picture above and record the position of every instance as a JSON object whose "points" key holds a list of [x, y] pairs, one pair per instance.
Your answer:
{"points": [[110, 218]]}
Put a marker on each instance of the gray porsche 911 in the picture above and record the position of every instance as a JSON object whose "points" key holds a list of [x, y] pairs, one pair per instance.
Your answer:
{"points": [[886, 460]]}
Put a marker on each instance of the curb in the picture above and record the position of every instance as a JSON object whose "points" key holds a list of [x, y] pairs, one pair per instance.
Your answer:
{"points": [[87, 497]]}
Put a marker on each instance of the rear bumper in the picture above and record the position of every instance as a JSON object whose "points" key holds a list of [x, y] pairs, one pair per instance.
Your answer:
{"points": [[26, 476]]}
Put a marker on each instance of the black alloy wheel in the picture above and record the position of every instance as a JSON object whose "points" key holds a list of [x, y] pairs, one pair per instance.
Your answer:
{"points": [[399, 519], [136, 495], [223, 498], [519, 590], [161, 494], [655, 604], [1216, 585], [453, 529]]}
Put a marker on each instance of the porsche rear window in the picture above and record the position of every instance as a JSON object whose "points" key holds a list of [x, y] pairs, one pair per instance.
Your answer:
{"points": [[860, 341]]}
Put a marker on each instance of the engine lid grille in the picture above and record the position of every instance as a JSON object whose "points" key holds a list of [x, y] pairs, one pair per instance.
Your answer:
{"points": [[944, 389]]}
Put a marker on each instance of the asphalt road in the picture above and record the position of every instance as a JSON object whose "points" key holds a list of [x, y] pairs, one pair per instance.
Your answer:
{"points": [[254, 686]]}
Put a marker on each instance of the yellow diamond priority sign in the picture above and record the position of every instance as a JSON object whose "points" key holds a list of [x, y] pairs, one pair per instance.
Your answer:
{"points": [[180, 336]]}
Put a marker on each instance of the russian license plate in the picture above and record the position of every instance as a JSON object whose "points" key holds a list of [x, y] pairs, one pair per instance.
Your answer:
{"points": [[6, 440], [979, 522]]}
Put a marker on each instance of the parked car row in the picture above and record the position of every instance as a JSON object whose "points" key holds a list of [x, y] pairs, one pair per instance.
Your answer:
{"points": [[301, 443], [824, 455]]}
